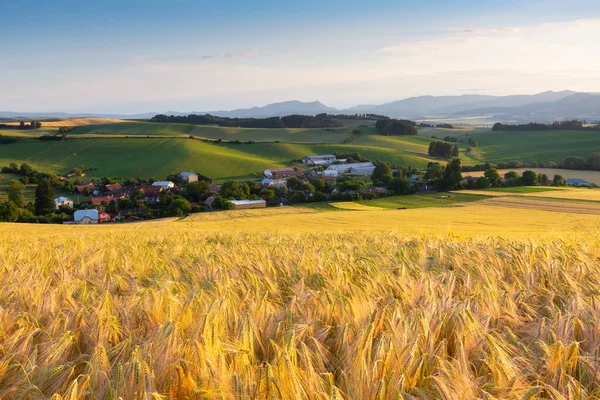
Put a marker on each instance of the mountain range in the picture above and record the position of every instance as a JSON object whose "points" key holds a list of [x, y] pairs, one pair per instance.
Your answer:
{"points": [[541, 107]]}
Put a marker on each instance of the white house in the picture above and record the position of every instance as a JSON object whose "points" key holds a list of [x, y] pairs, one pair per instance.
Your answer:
{"points": [[86, 217], [266, 182], [189, 177], [62, 201], [164, 184], [324, 159]]}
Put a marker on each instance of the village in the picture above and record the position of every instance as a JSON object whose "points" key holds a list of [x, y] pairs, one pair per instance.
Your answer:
{"points": [[313, 178]]}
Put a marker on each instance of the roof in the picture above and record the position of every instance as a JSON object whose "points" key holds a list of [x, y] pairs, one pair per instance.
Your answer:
{"points": [[345, 167], [286, 169], [242, 202], [113, 186], [81, 214], [163, 183], [98, 200], [576, 180], [186, 174], [266, 181], [320, 156], [61, 199], [208, 202], [83, 186]]}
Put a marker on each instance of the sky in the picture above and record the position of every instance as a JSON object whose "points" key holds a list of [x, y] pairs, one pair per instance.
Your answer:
{"points": [[133, 56]]}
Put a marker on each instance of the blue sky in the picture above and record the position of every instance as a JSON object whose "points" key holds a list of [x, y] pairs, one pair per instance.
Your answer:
{"points": [[134, 56]]}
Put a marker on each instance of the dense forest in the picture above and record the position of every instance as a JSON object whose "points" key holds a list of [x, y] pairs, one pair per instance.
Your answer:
{"points": [[396, 127], [572, 125], [290, 121]]}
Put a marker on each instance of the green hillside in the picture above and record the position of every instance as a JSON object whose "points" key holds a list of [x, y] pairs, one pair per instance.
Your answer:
{"points": [[536, 145]]}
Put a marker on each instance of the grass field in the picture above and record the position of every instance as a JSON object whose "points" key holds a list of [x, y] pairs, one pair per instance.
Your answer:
{"points": [[536, 146], [477, 301], [590, 176]]}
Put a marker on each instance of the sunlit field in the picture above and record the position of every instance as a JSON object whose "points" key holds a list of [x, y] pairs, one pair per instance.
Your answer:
{"points": [[459, 302]]}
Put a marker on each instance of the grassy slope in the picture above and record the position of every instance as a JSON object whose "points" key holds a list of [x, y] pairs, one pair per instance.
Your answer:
{"points": [[537, 146]]}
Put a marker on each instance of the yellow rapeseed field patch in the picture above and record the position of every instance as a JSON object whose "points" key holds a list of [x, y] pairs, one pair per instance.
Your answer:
{"points": [[450, 303]]}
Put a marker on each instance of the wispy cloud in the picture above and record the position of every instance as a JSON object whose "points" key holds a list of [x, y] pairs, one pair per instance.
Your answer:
{"points": [[232, 55]]}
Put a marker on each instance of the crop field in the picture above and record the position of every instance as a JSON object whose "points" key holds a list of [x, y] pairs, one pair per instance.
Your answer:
{"points": [[74, 122], [537, 145], [293, 303]]}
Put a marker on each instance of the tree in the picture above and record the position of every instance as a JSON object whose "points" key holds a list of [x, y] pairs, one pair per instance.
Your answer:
{"points": [[493, 177], [452, 175], [9, 212], [573, 163], [529, 178], [44, 197], [434, 171], [25, 169], [181, 204], [234, 190], [400, 186], [511, 175], [482, 183], [559, 180], [15, 193], [382, 174], [195, 190], [593, 161]]}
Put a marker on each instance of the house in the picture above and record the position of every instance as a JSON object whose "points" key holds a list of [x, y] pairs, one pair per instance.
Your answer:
{"points": [[279, 183], [327, 178], [287, 172], [215, 188], [151, 193], [81, 189], [114, 187], [164, 184], [324, 159], [266, 182], [209, 202], [247, 204], [577, 182], [189, 177], [62, 202], [359, 168], [103, 216], [86, 217], [99, 200]]}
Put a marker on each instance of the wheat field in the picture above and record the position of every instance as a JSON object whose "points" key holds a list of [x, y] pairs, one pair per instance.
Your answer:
{"points": [[173, 309]]}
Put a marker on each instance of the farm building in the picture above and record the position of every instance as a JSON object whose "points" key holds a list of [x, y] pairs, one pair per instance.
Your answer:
{"points": [[151, 193], [324, 159], [287, 172], [189, 177], [330, 172], [209, 202], [246, 204], [215, 188], [577, 182], [164, 184], [362, 171], [86, 217], [365, 168], [62, 201], [84, 187]]}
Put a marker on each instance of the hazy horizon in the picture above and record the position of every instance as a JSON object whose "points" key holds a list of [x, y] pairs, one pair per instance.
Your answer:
{"points": [[196, 56]]}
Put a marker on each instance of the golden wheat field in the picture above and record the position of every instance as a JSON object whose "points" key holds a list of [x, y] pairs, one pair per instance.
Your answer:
{"points": [[178, 309], [72, 122]]}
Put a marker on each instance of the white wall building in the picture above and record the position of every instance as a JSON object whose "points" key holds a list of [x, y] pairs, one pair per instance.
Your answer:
{"points": [[189, 177], [86, 217], [62, 201], [324, 159], [164, 184]]}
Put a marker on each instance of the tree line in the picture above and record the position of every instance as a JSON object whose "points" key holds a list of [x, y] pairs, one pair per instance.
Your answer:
{"points": [[290, 121], [572, 125], [22, 125], [390, 127]]}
